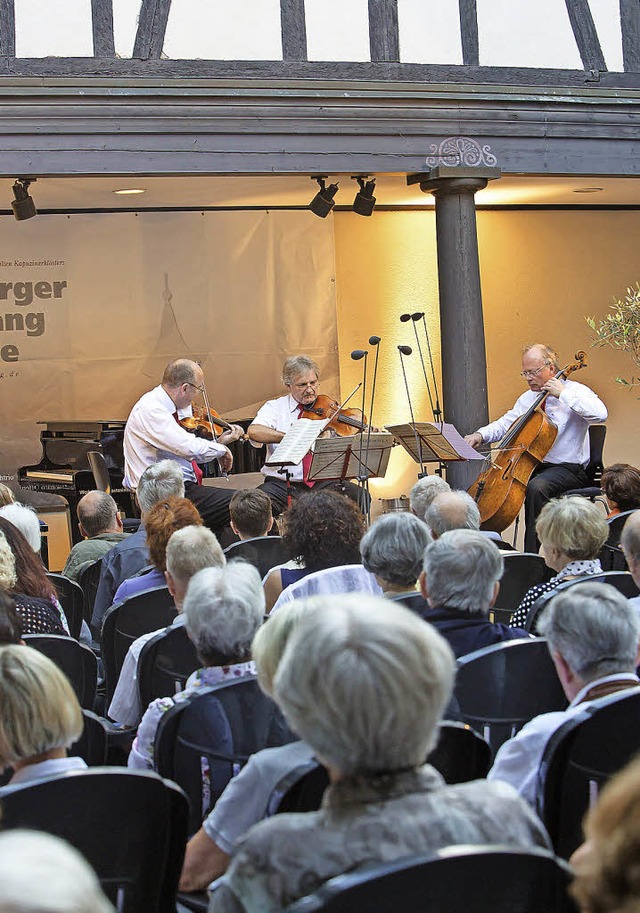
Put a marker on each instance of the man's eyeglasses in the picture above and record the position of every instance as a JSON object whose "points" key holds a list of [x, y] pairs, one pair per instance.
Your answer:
{"points": [[531, 374], [312, 383], [195, 387]]}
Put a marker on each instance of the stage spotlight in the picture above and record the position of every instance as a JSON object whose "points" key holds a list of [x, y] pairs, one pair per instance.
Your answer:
{"points": [[323, 202], [365, 201], [23, 205]]}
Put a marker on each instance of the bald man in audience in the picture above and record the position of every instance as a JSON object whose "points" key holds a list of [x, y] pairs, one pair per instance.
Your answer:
{"points": [[101, 527], [630, 545], [457, 510]]}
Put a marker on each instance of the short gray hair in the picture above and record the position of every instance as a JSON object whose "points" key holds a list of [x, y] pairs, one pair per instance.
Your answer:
{"points": [[190, 550], [575, 526], [159, 481], [25, 519], [40, 873], [630, 539], [296, 365], [452, 510], [97, 512], [365, 684], [423, 492], [223, 609], [462, 568], [595, 629], [393, 548]]}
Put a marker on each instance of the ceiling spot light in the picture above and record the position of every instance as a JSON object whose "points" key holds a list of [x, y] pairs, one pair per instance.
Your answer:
{"points": [[131, 190], [323, 202], [365, 201], [588, 190], [23, 205]]}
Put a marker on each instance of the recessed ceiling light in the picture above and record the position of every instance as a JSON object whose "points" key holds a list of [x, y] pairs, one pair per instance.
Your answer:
{"points": [[130, 190], [588, 190]]}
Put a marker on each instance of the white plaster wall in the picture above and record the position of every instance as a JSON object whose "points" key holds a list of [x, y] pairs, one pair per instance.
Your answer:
{"points": [[125, 25], [606, 17], [429, 31], [53, 29], [242, 30], [337, 30], [523, 33]]}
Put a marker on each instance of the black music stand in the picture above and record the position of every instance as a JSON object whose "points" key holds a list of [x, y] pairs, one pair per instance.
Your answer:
{"points": [[341, 458], [426, 442]]}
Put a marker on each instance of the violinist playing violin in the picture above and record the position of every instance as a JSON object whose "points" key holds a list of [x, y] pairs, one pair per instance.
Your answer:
{"points": [[153, 432], [571, 407], [300, 376]]}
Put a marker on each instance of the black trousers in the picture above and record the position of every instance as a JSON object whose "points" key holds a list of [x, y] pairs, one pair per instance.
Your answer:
{"points": [[212, 504], [548, 481], [276, 489]]}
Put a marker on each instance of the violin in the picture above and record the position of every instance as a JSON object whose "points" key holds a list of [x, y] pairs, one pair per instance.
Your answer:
{"points": [[199, 424], [344, 422]]}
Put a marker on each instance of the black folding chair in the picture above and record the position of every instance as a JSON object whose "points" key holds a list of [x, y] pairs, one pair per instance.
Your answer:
{"points": [[77, 661], [92, 746], [124, 622], [204, 741], [595, 466], [88, 581], [165, 663], [621, 580], [611, 556], [578, 760], [131, 826], [521, 571], [263, 552], [473, 879], [71, 599], [502, 687]]}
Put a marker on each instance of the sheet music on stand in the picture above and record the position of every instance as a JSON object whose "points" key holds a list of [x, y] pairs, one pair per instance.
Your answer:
{"points": [[341, 457], [440, 443], [296, 443]]}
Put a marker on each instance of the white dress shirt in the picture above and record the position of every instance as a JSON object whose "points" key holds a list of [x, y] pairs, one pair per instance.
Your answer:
{"points": [[152, 434], [576, 408], [279, 414]]}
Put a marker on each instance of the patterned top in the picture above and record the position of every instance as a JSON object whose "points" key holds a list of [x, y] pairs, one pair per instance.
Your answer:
{"points": [[366, 820], [39, 616], [141, 756], [573, 569]]}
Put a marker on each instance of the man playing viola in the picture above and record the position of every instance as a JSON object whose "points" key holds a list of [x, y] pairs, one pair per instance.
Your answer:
{"points": [[300, 376], [153, 433], [571, 407]]}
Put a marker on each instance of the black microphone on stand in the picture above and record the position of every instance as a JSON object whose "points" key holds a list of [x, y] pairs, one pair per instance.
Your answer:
{"points": [[414, 317], [373, 341], [357, 354], [363, 480], [437, 411], [407, 350], [404, 318]]}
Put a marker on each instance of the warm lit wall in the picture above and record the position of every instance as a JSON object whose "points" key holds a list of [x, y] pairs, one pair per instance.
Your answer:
{"points": [[542, 272]]}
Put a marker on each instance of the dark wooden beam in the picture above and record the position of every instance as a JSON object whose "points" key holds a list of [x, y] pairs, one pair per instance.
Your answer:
{"points": [[152, 26], [630, 24], [102, 21], [7, 29], [294, 30], [469, 33], [384, 41], [584, 31]]}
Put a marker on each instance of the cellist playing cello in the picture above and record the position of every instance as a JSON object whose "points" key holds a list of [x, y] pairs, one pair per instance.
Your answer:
{"points": [[571, 407]]}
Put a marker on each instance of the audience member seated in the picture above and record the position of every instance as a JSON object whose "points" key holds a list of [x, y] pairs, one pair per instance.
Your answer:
{"points": [[160, 523], [630, 545], [460, 582], [189, 550], [620, 484], [343, 684], [457, 510], [40, 873], [161, 480], [321, 529], [10, 621], [571, 531], [423, 493], [244, 802], [26, 521], [39, 613], [101, 526], [592, 633], [251, 514], [392, 550], [6, 495], [223, 609], [40, 717], [607, 876]]}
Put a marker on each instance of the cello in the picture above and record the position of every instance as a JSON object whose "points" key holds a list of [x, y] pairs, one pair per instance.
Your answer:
{"points": [[500, 489]]}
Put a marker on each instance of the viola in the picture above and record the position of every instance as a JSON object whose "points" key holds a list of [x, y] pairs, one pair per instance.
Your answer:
{"points": [[344, 422]]}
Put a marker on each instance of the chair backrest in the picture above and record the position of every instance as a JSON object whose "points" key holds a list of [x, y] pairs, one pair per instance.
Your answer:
{"points": [[71, 599], [204, 741], [473, 879], [621, 580], [263, 552], [131, 826], [348, 578], [521, 571], [616, 525], [88, 581], [77, 661], [165, 663], [595, 466], [126, 621], [578, 760], [98, 466], [93, 744], [502, 687]]}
